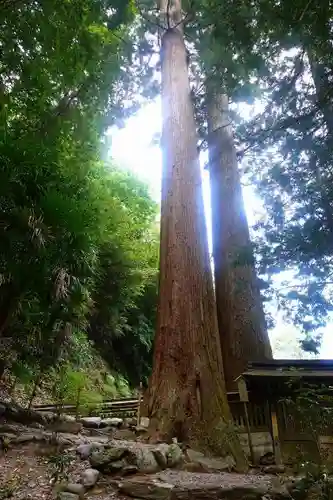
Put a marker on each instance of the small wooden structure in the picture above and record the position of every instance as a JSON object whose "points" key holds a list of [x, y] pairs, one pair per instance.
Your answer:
{"points": [[268, 385]]}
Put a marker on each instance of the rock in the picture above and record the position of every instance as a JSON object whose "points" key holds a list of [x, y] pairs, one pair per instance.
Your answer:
{"points": [[36, 425], [65, 427], [2, 410], [91, 422], [77, 489], [27, 438], [68, 418], [209, 464], [117, 466], [89, 477], [11, 429], [180, 485], [144, 422], [65, 495], [15, 413], [174, 455], [140, 430], [129, 422], [124, 434], [160, 454], [267, 459], [102, 460], [143, 458], [85, 450], [274, 469], [129, 469], [152, 490], [111, 422]]}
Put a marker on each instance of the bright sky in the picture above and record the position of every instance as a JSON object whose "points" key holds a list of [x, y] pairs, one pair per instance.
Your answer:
{"points": [[132, 148]]}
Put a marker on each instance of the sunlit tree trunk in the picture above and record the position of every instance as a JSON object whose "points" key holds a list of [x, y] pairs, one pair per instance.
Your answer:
{"points": [[187, 396], [241, 319]]}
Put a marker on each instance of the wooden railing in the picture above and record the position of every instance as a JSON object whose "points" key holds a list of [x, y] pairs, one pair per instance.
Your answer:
{"points": [[128, 407]]}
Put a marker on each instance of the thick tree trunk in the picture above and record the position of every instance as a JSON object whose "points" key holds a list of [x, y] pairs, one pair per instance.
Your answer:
{"points": [[187, 396], [241, 319]]}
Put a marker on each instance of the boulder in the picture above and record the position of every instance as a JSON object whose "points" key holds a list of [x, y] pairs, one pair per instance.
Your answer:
{"points": [[139, 430], [89, 477], [148, 490], [129, 422], [180, 485], [111, 422], [144, 422], [160, 454], [274, 469], [68, 418], [124, 434], [91, 422], [267, 459], [143, 458], [85, 450], [174, 455], [28, 437], [101, 460], [76, 488], [209, 464], [62, 426], [129, 470], [15, 413], [65, 495]]}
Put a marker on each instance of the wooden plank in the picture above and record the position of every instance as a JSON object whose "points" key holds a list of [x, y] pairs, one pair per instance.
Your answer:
{"points": [[275, 435], [242, 389]]}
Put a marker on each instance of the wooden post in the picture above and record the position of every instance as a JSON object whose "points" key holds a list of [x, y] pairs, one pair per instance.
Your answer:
{"points": [[138, 416], [248, 430], [275, 436], [244, 397]]}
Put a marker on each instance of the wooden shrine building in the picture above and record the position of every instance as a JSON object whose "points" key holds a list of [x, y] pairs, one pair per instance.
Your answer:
{"points": [[290, 399]]}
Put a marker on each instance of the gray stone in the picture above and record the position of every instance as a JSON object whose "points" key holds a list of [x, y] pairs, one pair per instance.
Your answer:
{"points": [[143, 458], [144, 422], [102, 460], [174, 456], [124, 434], [152, 490], [65, 427], [160, 457], [140, 430], [129, 422], [89, 477], [65, 495], [160, 453], [2, 410], [210, 464], [91, 422], [112, 422], [77, 489], [267, 459], [113, 467], [85, 450], [68, 418], [129, 469], [274, 469], [25, 438], [180, 485]]}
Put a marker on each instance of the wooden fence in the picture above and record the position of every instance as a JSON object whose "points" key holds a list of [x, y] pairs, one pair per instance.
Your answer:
{"points": [[128, 407]]}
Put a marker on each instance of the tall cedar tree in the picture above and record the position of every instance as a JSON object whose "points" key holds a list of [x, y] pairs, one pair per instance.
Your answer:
{"points": [[187, 396], [243, 332]]}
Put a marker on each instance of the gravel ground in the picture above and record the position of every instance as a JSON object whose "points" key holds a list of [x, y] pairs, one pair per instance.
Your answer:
{"points": [[27, 474]]}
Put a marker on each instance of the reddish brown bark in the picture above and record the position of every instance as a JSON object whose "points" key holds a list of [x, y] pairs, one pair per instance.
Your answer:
{"points": [[187, 396], [242, 326]]}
